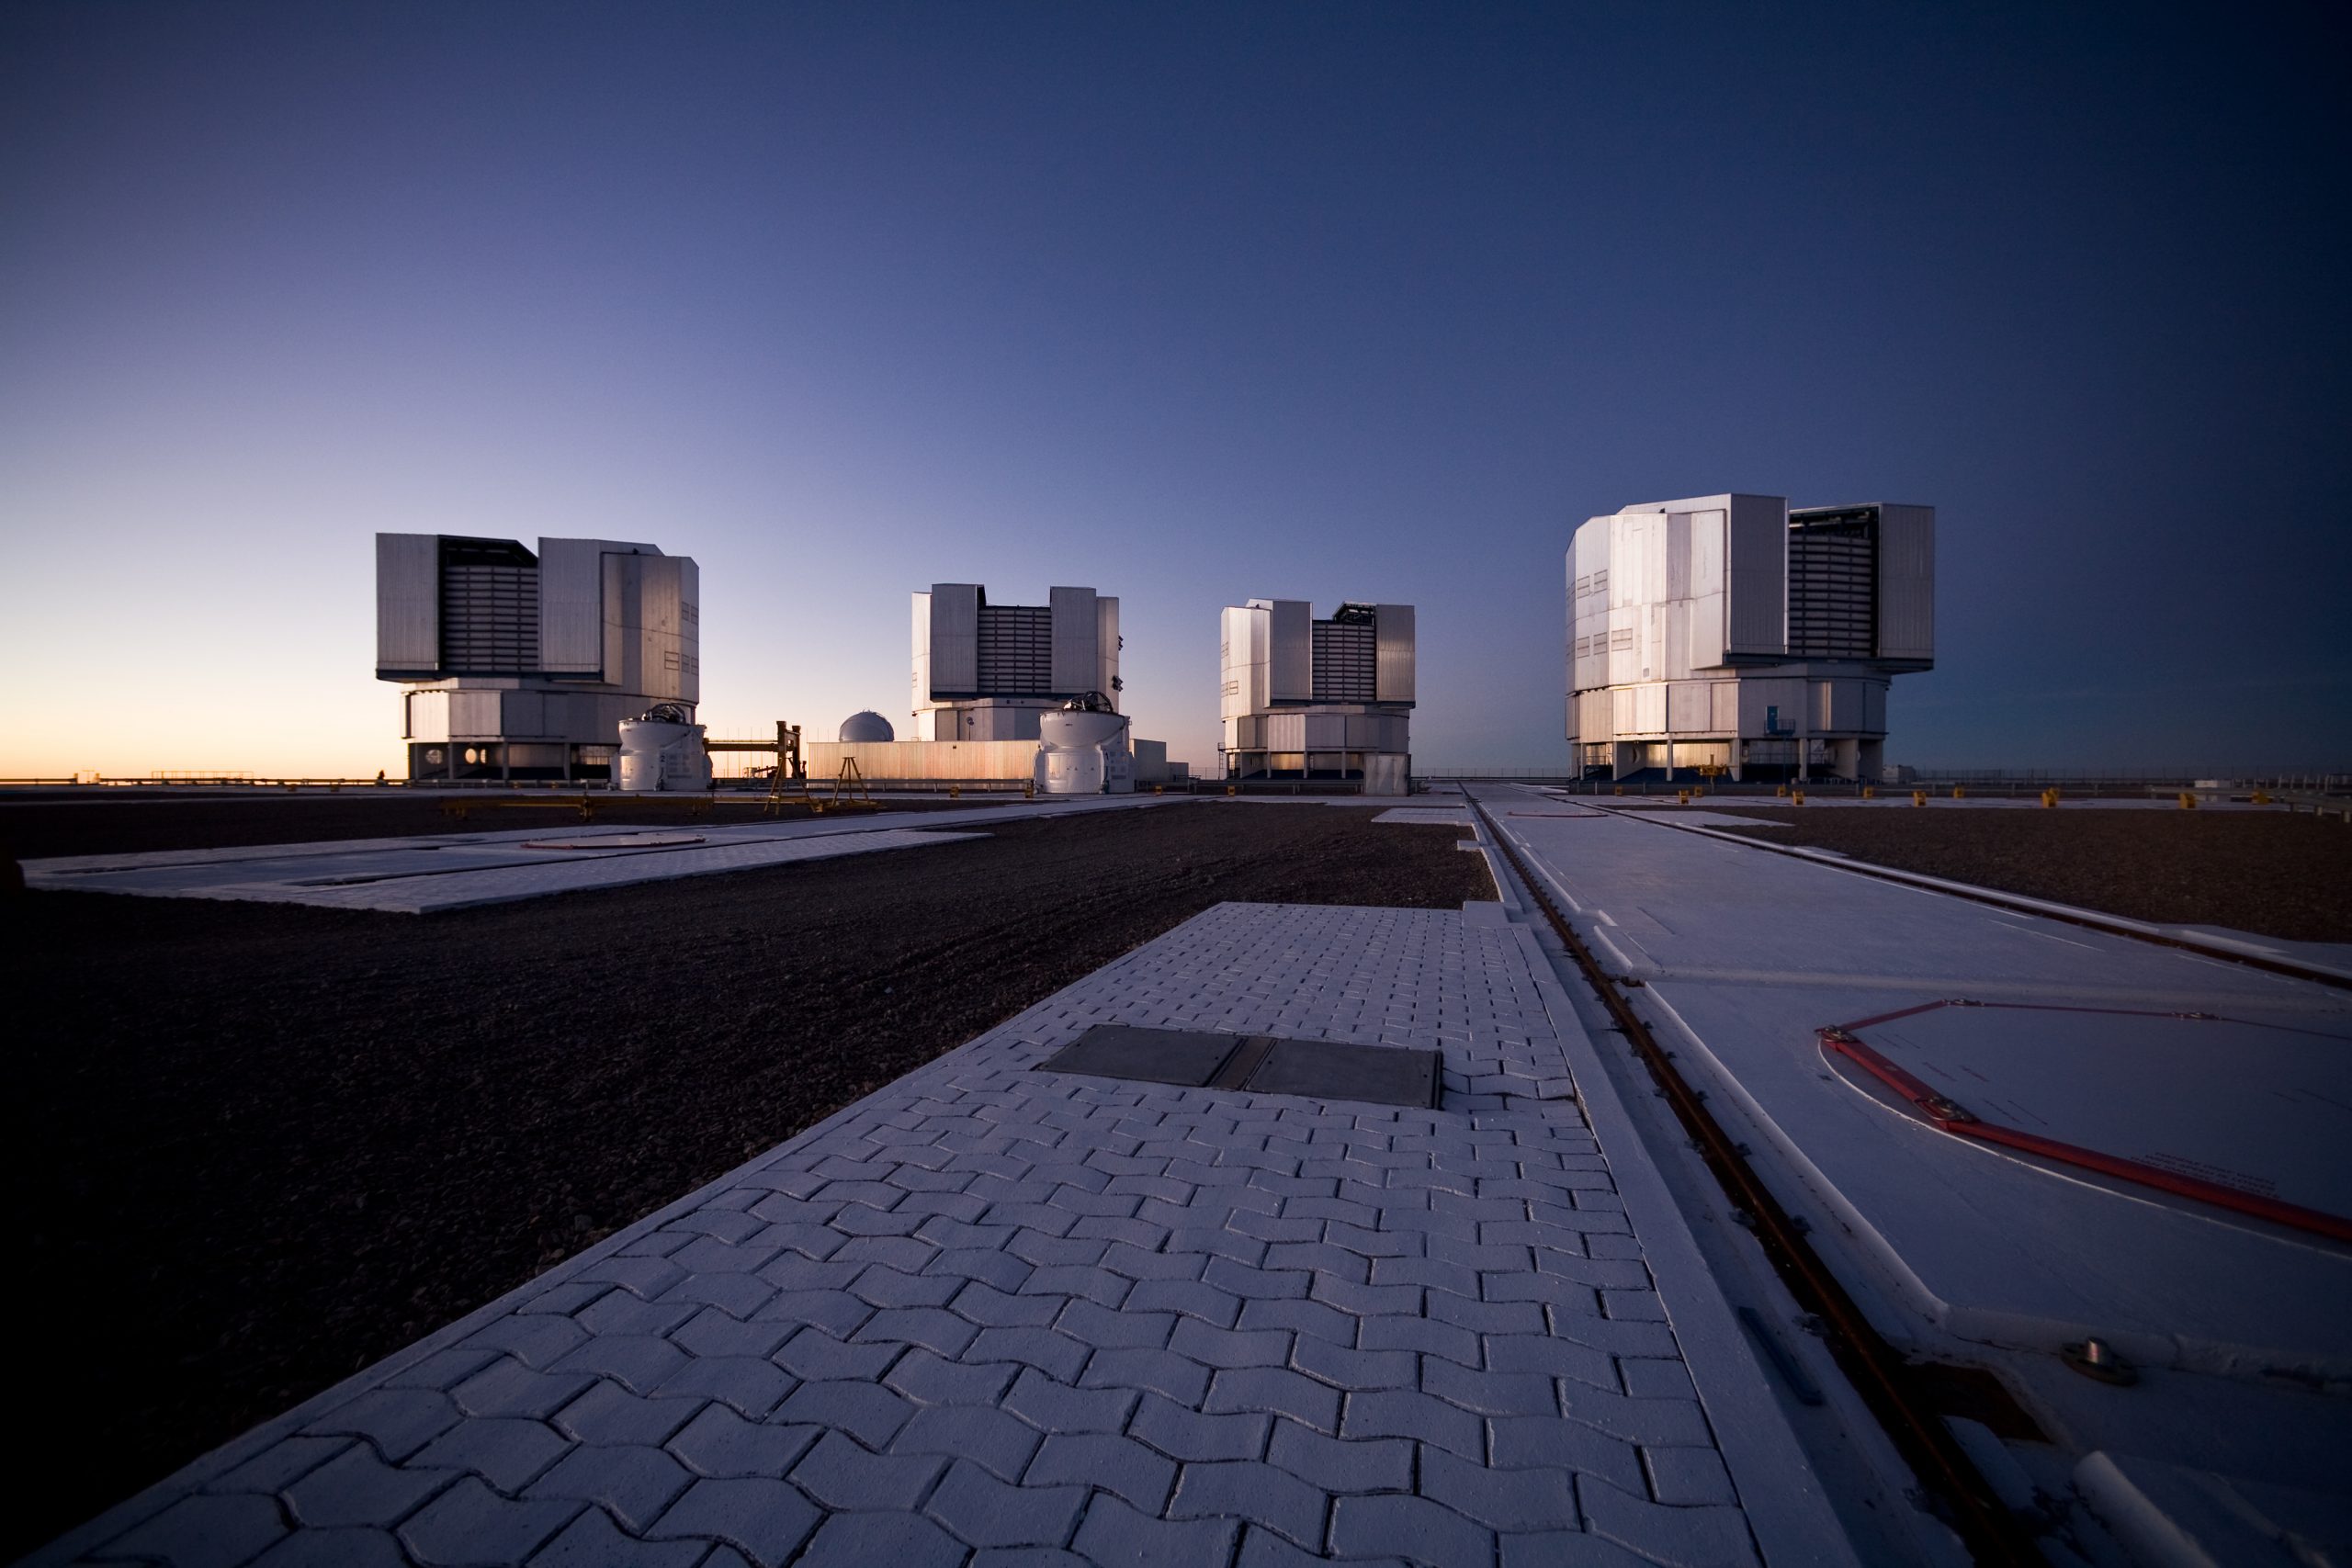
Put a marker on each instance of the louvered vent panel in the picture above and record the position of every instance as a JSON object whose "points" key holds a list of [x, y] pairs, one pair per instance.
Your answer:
{"points": [[1347, 663], [489, 618], [1833, 589], [1016, 651]]}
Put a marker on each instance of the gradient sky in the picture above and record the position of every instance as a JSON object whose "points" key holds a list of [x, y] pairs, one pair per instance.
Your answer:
{"points": [[1185, 303]]}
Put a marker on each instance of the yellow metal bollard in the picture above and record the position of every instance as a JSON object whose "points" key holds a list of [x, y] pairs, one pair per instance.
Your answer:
{"points": [[1682, 798], [954, 792], [1918, 797], [1868, 792], [1958, 792], [1621, 789], [1797, 798], [2050, 799], [1233, 789], [2187, 801], [1783, 792]]}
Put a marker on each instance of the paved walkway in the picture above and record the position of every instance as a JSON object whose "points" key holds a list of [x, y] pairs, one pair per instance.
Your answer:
{"points": [[993, 1316]]}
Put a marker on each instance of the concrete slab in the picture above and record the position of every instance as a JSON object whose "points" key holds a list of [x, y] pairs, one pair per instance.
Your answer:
{"points": [[1965, 1250], [993, 1308], [452, 871]]}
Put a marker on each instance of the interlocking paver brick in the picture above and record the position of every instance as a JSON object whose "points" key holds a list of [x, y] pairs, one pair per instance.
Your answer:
{"points": [[1258, 1493], [469, 1524], [1186, 1434], [1156, 1372], [1500, 1499], [1344, 1367], [1686, 1475], [1193, 1298], [624, 1312], [1277, 1390], [1113, 1533], [1419, 1529], [204, 1532], [357, 1488], [607, 1412], [1053, 1406], [1105, 1460], [719, 1442], [1322, 1321], [593, 1540], [866, 1411], [739, 1296], [505, 1450], [279, 1465], [1490, 1392], [840, 1474], [999, 1443], [634, 1483], [1684, 1538], [1533, 1442], [639, 1362], [765, 1519], [1214, 1346], [930, 1378], [1408, 1413], [714, 1333], [751, 1386], [1334, 1464], [1057, 1355], [317, 1548], [398, 1421], [1097, 1325], [536, 1339], [509, 1388], [1567, 1549], [979, 1508]]}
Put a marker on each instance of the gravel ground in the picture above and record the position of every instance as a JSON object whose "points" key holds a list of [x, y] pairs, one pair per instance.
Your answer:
{"points": [[2266, 872], [258, 1147]]}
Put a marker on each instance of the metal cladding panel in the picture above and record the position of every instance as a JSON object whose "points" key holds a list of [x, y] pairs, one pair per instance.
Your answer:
{"points": [[522, 715], [1106, 639], [1394, 682], [1649, 709], [1772, 707], [1290, 652], [1708, 600], [1725, 702], [954, 641], [1325, 731], [689, 628], [408, 606], [1076, 640], [1690, 708], [1286, 732], [996, 762], [426, 716], [1874, 706], [1242, 654], [1596, 718], [571, 602], [1755, 576], [475, 716], [1906, 584], [660, 638]]}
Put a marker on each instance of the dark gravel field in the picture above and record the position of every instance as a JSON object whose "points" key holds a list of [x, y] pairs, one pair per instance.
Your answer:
{"points": [[255, 1148], [2266, 872]]}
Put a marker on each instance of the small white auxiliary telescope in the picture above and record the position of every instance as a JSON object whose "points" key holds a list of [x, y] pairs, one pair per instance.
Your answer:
{"points": [[1083, 749], [662, 748]]}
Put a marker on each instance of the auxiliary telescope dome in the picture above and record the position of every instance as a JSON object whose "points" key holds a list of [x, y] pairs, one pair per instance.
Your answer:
{"points": [[867, 726]]}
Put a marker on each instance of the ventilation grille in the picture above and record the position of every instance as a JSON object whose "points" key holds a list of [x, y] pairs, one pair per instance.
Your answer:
{"points": [[1347, 663], [489, 618], [1016, 651], [1833, 587]]}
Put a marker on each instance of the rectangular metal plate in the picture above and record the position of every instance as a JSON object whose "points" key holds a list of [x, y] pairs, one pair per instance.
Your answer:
{"points": [[1257, 1064], [1185, 1057], [1323, 1069]]}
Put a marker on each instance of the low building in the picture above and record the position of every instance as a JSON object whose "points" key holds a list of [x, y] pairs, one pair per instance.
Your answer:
{"points": [[1733, 634], [521, 665], [1309, 699]]}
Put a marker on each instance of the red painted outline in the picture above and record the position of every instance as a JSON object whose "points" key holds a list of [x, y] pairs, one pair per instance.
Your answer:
{"points": [[1956, 1119]]}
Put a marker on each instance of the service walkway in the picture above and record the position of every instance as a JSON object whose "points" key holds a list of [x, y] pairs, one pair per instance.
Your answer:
{"points": [[992, 1314]]}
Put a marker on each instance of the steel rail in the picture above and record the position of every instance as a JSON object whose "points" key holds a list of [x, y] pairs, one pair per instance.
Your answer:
{"points": [[1876, 1369]]}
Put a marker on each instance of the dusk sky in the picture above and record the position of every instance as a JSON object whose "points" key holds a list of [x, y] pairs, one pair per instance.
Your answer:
{"points": [[1184, 303]]}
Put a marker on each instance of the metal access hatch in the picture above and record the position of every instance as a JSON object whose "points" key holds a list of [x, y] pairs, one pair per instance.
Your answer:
{"points": [[1254, 1064]]}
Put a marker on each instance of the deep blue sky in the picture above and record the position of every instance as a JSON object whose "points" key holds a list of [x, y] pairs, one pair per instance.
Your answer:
{"points": [[1185, 303]]}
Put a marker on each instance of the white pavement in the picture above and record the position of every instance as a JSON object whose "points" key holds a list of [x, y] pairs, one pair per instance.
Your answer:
{"points": [[453, 871], [991, 1315], [1969, 1252]]}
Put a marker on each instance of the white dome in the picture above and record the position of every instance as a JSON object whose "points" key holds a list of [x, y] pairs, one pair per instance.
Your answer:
{"points": [[867, 726]]}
